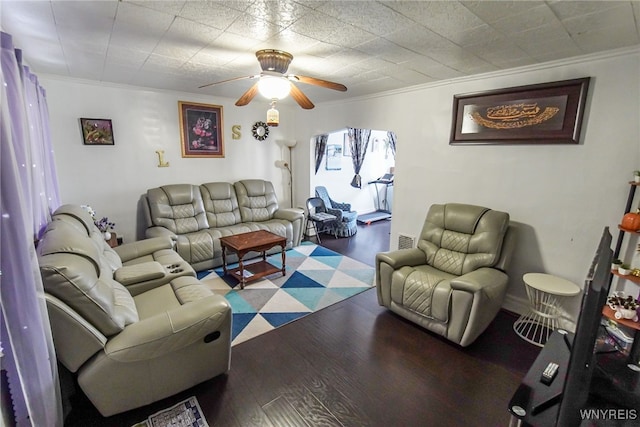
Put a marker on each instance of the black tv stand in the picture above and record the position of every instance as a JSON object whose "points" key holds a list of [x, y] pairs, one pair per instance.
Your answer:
{"points": [[613, 386], [614, 383], [535, 403]]}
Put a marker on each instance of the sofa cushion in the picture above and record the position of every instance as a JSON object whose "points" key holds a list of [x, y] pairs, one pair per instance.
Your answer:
{"points": [[257, 200], [220, 204], [180, 291], [82, 220], [458, 238], [77, 216], [177, 207], [424, 290], [195, 247], [73, 271]]}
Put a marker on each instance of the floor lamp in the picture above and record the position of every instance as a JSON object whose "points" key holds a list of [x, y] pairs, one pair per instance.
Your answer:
{"points": [[290, 144]]}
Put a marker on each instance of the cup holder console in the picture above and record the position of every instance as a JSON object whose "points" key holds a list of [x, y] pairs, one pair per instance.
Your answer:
{"points": [[174, 268]]}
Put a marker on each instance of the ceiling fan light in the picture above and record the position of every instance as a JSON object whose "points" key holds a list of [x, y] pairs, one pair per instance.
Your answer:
{"points": [[274, 60], [274, 87]]}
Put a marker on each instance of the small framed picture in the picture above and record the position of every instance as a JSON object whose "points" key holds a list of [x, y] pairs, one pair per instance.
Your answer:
{"points": [[346, 145], [334, 157], [97, 131], [375, 145]]}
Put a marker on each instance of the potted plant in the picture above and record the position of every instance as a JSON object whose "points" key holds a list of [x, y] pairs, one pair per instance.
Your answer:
{"points": [[625, 306], [636, 175], [104, 225], [615, 264], [624, 269]]}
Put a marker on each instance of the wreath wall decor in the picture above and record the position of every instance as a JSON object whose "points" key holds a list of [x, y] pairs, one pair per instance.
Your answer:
{"points": [[260, 131]]}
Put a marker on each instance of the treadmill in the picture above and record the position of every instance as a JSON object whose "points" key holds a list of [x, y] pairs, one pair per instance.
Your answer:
{"points": [[383, 209]]}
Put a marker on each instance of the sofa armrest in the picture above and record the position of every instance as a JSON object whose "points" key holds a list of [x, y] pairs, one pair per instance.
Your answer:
{"points": [[387, 263], [137, 273], [157, 231], [169, 331], [140, 248], [289, 214], [402, 258], [482, 279], [488, 287]]}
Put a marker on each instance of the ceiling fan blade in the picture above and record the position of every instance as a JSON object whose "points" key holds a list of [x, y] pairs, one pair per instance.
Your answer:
{"points": [[229, 80], [248, 96], [320, 82], [301, 98]]}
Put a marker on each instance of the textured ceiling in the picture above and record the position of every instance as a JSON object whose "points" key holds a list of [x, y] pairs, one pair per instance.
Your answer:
{"points": [[369, 46]]}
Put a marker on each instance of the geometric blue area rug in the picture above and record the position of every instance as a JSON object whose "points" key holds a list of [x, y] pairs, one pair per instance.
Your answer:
{"points": [[316, 278]]}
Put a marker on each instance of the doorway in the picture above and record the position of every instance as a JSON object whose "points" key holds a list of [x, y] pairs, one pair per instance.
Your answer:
{"points": [[336, 171]]}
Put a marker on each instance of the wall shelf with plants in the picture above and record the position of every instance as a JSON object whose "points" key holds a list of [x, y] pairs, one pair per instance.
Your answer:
{"points": [[629, 225]]}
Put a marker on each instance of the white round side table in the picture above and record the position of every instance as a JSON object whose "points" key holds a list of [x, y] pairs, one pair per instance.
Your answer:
{"points": [[545, 293]]}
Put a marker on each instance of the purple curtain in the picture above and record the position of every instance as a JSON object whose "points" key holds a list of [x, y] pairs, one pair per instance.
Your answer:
{"points": [[39, 150], [25, 203]]}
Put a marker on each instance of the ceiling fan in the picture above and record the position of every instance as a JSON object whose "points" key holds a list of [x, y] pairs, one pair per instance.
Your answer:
{"points": [[275, 84]]}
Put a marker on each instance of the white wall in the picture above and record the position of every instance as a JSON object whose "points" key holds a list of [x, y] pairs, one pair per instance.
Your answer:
{"points": [[376, 163], [559, 196], [112, 178]]}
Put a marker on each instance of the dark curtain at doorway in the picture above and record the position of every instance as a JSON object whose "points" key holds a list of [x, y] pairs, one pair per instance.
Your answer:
{"points": [[321, 145], [359, 141], [391, 135]]}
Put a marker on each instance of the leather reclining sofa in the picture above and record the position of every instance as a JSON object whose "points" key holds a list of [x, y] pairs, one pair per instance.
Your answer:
{"points": [[195, 217], [132, 322]]}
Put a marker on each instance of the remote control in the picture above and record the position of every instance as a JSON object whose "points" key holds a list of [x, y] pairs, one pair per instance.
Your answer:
{"points": [[549, 373]]}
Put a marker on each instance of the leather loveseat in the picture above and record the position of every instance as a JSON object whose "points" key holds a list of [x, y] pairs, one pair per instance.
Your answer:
{"points": [[195, 217], [133, 322]]}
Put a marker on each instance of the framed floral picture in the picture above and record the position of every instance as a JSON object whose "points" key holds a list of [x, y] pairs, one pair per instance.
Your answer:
{"points": [[97, 131], [201, 130]]}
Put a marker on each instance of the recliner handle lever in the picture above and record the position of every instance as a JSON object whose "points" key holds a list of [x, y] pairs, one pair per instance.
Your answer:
{"points": [[212, 336]]}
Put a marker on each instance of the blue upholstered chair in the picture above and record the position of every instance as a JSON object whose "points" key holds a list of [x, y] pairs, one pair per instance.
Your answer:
{"points": [[346, 225]]}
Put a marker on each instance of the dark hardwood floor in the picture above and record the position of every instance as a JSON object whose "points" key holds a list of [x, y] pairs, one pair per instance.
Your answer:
{"points": [[355, 364], [367, 242]]}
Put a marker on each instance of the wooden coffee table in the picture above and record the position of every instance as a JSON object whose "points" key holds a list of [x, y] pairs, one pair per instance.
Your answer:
{"points": [[253, 241]]}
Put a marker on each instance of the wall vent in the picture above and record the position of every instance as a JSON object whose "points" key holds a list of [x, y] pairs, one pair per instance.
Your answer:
{"points": [[406, 242]]}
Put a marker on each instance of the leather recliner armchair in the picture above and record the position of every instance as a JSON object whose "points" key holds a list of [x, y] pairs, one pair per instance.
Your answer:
{"points": [[454, 282], [133, 323]]}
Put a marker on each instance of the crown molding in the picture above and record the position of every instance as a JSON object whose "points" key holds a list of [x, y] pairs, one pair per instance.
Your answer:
{"points": [[629, 51]]}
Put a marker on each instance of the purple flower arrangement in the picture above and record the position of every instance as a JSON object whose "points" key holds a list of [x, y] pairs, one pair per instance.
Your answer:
{"points": [[104, 224]]}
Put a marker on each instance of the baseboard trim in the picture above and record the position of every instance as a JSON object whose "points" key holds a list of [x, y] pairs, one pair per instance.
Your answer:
{"points": [[515, 304]]}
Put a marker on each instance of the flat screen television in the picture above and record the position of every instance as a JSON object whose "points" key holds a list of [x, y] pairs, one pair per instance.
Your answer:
{"points": [[582, 361]]}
